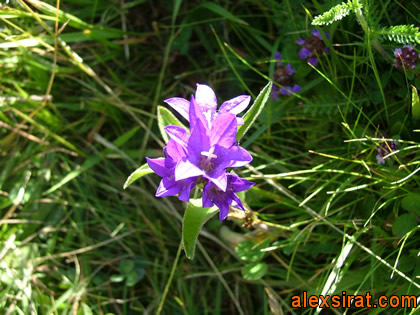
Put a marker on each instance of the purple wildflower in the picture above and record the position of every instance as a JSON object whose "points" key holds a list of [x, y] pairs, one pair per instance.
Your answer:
{"points": [[207, 101], [384, 149], [223, 199], [284, 76], [313, 46], [203, 154], [405, 57]]}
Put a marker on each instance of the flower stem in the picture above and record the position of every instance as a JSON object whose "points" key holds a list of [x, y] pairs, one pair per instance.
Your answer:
{"points": [[168, 284]]}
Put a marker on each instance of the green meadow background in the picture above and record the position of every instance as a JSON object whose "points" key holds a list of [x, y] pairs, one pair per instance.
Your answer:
{"points": [[80, 84]]}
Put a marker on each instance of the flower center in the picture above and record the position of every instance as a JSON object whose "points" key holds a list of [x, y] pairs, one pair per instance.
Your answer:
{"points": [[206, 163]]}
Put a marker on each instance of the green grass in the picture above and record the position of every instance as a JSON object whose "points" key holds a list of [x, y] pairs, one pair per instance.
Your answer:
{"points": [[79, 96]]}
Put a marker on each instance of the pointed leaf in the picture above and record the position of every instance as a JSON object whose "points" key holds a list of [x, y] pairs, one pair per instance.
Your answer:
{"points": [[140, 172], [194, 218], [165, 118], [415, 103], [255, 110]]}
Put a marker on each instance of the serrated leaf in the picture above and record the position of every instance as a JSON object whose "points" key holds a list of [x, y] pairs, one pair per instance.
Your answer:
{"points": [[403, 224], [254, 271], [336, 13], [415, 103], [255, 110], [140, 172], [194, 218], [165, 118]]}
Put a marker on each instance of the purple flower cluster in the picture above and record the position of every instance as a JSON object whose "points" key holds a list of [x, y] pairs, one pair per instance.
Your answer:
{"points": [[405, 57], [384, 149], [284, 76], [203, 154], [313, 46]]}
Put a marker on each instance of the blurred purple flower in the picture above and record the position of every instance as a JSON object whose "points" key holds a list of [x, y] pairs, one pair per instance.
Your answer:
{"points": [[223, 199], [284, 76], [207, 101], [384, 149], [405, 56], [313, 46]]}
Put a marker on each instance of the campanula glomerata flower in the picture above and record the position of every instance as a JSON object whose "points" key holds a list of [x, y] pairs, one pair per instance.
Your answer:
{"points": [[284, 76], [313, 46], [207, 102], [203, 154], [405, 57]]}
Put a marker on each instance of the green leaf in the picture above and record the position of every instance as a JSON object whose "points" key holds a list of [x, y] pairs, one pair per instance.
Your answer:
{"points": [[126, 266], [165, 118], [132, 278], [336, 13], [194, 218], [254, 271], [255, 110], [411, 203], [415, 103], [403, 224], [248, 251], [140, 172]]}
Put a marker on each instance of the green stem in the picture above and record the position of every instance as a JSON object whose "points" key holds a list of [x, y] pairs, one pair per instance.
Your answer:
{"points": [[168, 284]]}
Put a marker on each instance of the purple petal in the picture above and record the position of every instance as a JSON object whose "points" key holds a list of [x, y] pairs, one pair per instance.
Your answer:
{"points": [[285, 90], [313, 61], [289, 69], [304, 53], [300, 41], [397, 52], [239, 121], [196, 115], [274, 93], [186, 189], [220, 182], [296, 88], [380, 159], [239, 184], [277, 56], [237, 201], [174, 150], [158, 166], [185, 169], [167, 188], [181, 105], [178, 134], [206, 99], [239, 157], [207, 196], [224, 210], [316, 33], [223, 130], [235, 105]]}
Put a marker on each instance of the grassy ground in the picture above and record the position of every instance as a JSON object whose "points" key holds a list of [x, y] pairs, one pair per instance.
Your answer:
{"points": [[79, 88]]}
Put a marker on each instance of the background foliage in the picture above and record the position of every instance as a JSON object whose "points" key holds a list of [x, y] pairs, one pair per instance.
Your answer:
{"points": [[79, 92]]}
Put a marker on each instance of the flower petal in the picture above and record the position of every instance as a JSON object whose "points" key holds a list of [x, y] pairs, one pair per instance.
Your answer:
{"points": [[174, 150], [313, 61], [220, 182], [185, 169], [178, 134], [196, 115], [237, 201], [224, 209], [206, 99], [184, 195], [304, 53], [223, 130], [239, 157], [235, 105], [300, 41], [181, 105], [158, 166], [277, 56], [239, 184], [207, 200], [167, 188]]}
